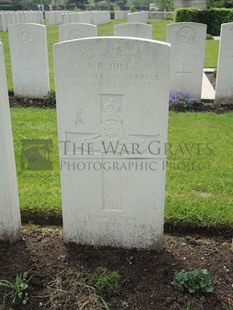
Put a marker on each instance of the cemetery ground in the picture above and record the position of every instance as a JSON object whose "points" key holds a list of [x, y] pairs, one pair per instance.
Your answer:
{"points": [[198, 206], [81, 277], [193, 197]]}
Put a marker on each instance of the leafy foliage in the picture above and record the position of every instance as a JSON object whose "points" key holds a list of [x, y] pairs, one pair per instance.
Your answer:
{"points": [[220, 4], [213, 18], [132, 8], [18, 290], [193, 281], [181, 100], [106, 282], [50, 98], [167, 5]]}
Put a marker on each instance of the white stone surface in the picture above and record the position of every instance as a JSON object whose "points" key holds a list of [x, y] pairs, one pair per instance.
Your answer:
{"points": [[187, 56], [114, 93], [138, 17], [138, 30], [208, 92], [224, 82], [29, 60], [76, 31], [99, 18], [119, 15], [16, 17], [201, 4], [71, 17], [10, 222]]}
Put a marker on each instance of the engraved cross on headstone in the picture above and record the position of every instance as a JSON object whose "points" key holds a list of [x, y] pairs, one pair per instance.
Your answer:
{"points": [[118, 146], [183, 73]]}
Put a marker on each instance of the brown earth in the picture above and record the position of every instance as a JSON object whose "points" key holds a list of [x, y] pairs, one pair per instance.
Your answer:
{"points": [[212, 78], [58, 270]]}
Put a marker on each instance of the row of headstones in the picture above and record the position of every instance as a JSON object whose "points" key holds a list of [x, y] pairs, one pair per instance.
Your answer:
{"points": [[138, 17], [65, 17], [115, 90], [90, 17], [187, 60], [56, 17], [122, 90], [96, 18], [187, 56], [19, 17], [31, 78], [120, 15], [29, 42]]}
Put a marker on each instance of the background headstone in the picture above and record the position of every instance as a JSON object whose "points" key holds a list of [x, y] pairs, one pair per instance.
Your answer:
{"points": [[201, 4], [114, 91], [29, 60], [76, 31], [10, 222], [138, 30], [187, 57], [138, 17], [224, 89]]}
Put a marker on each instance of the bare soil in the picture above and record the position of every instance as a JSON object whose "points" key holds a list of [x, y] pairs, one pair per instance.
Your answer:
{"points": [[57, 271], [212, 78]]}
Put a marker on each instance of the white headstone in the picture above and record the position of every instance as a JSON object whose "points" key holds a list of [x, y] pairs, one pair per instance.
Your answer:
{"points": [[29, 60], [224, 89], [187, 56], [76, 31], [119, 15], [137, 17], [113, 94], [10, 222], [138, 30]]}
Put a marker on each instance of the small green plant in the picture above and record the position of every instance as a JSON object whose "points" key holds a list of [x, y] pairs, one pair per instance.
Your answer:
{"points": [[106, 282], [193, 281], [132, 8], [17, 290], [130, 260], [50, 98]]}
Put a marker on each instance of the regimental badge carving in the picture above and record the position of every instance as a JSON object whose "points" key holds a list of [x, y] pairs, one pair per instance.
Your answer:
{"points": [[185, 35], [111, 120], [76, 33], [111, 124], [26, 36], [111, 130]]}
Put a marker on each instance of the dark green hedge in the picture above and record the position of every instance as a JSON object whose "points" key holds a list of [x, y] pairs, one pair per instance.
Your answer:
{"points": [[10, 7], [213, 18]]}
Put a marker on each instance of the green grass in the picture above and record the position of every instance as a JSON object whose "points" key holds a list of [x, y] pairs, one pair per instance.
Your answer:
{"points": [[38, 190], [159, 33], [202, 197], [211, 53]]}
